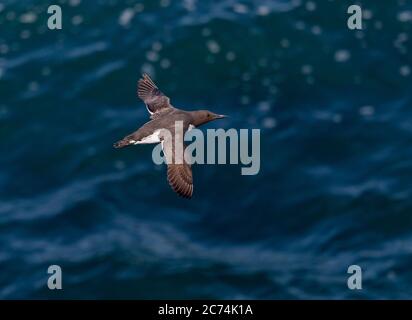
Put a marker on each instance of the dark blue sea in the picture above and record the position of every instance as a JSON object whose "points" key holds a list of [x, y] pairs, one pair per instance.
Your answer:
{"points": [[334, 107]]}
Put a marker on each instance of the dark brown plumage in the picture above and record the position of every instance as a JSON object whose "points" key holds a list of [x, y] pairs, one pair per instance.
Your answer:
{"points": [[165, 116], [155, 100]]}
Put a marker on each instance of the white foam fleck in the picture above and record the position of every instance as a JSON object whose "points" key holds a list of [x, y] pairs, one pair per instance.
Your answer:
{"points": [[323, 115], [310, 80], [273, 89], [206, 32], [139, 7], [266, 81], [246, 76], [342, 55], [337, 118], [33, 86], [189, 5], [263, 62], [156, 46], [285, 43], [378, 25], [316, 30], [119, 165], [264, 106], [28, 17], [307, 69], [74, 3], [405, 16], [402, 37], [240, 8], [213, 46], [11, 15], [244, 99], [91, 151], [152, 56], [230, 56], [367, 111], [46, 71], [76, 20], [149, 69], [126, 16], [300, 25], [269, 123], [165, 63], [359, 34], [252, 120], [405, 70], [3, 112], [263, 10], [25, 34], [391, 275], [367, 14], [310, 6], [4, 48], [164, 3]]}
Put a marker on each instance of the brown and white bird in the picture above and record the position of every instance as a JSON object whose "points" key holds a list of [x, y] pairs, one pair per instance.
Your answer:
{"points": [[164, 116]]}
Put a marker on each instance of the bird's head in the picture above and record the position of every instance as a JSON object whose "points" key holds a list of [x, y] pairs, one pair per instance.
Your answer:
{"points": [[204, 116]]}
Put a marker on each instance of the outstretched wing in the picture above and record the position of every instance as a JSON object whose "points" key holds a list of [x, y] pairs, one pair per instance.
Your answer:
{"points": [[155, 100], [179, 172], [180, 179]]}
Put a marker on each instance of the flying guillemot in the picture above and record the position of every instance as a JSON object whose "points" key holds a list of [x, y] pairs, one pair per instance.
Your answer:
{"points": [[164, 116]]}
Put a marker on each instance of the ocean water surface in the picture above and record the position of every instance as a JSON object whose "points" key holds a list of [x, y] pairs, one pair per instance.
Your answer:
{"points": [[334, 189]]}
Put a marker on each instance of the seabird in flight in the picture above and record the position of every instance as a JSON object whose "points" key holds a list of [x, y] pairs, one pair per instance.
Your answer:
{"points": [[164, 116]]}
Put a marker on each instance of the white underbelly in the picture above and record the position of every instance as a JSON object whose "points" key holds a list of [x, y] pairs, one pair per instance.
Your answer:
{"points": [[153, 138]]}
